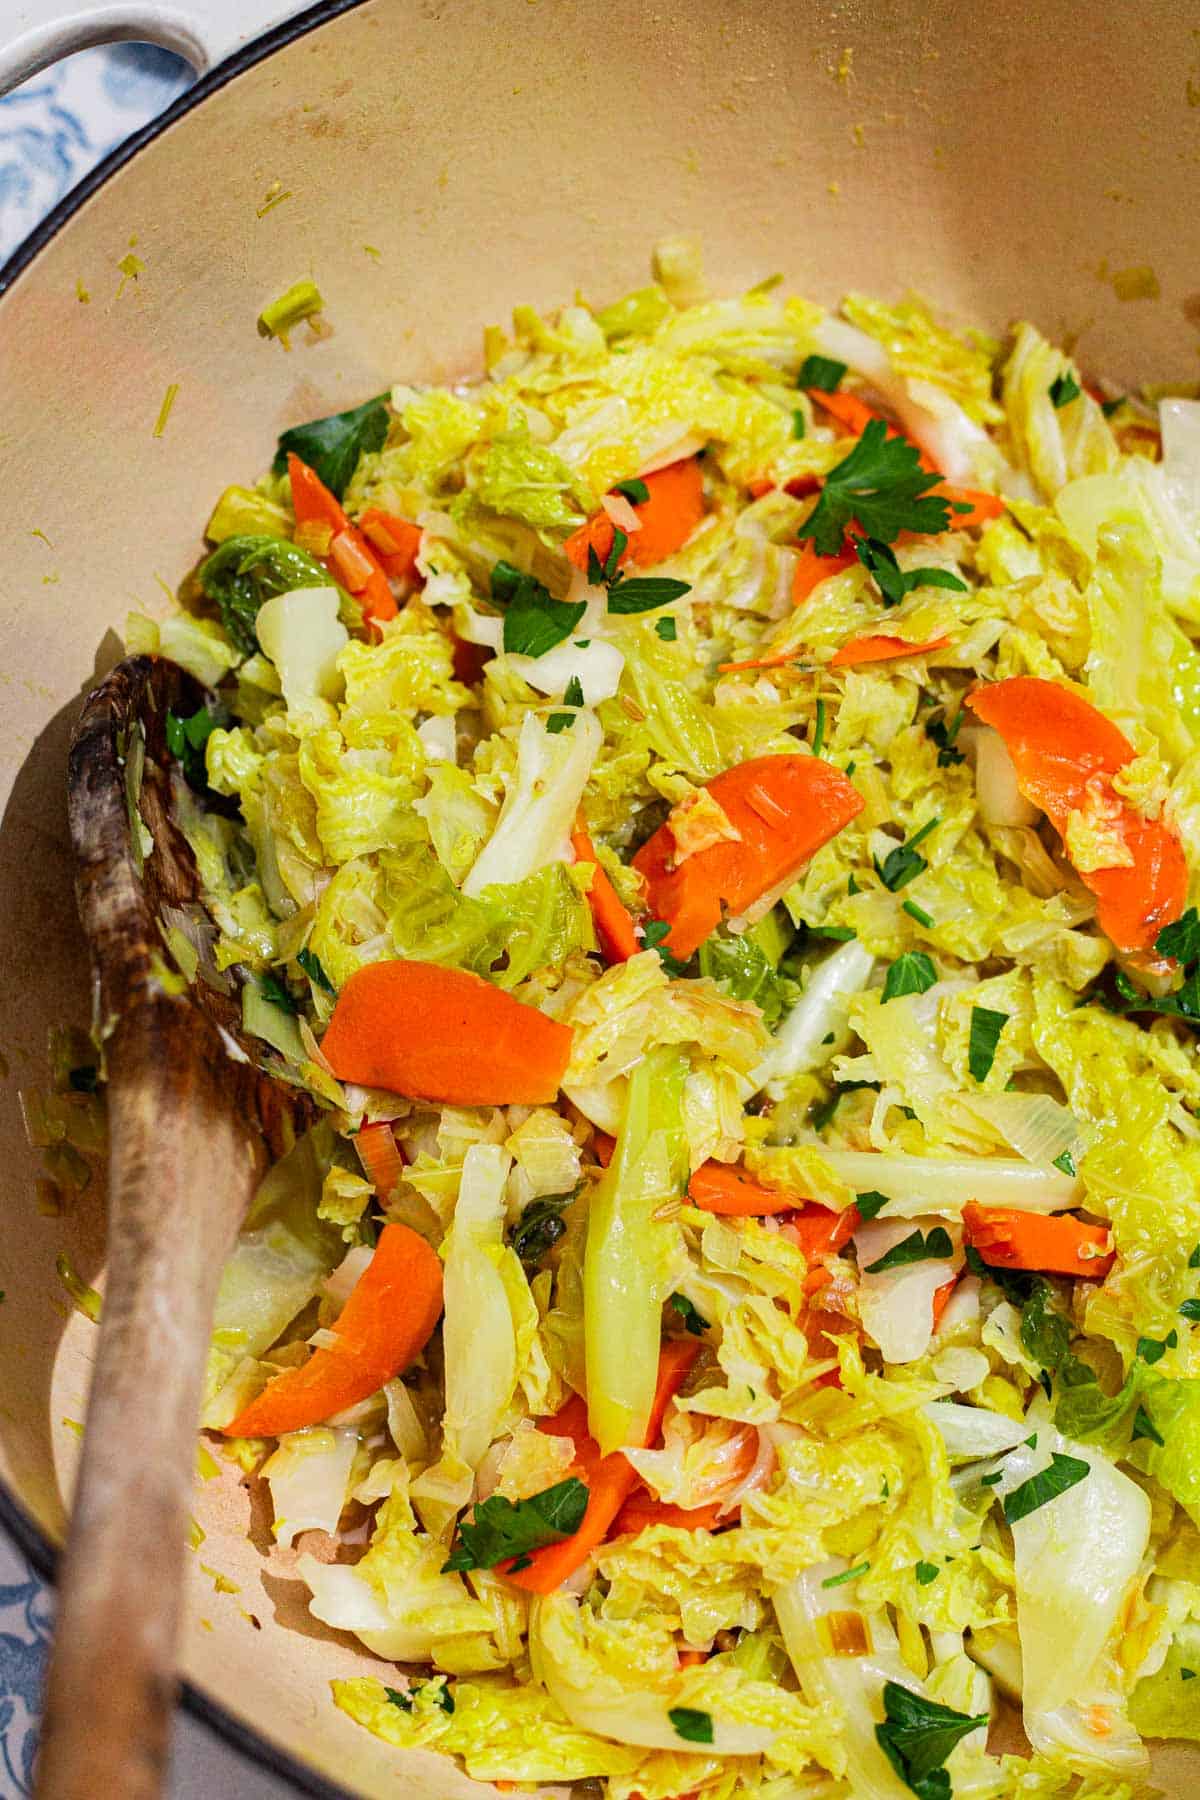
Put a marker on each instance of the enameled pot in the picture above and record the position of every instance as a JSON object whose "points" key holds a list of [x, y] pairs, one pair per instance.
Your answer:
{"points": [[1019, 159]]}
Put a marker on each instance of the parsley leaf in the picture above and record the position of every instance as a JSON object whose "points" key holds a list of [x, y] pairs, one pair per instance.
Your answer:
{"points": [[502, 1528], [824, 1111], [799, 425], [186, 739], [331, 447], [574, 692], [399, 1698], [693, 1319], [1152, 1350], [926, 1572], [871, 1203], [882, 486], [917, 1737], [274, 990], [1190, 1310], [312, 967], [912, 973], [1063, 389], [893, 582], [694, 1726], [642, 593], [634, 490], [1144, 1427], [667, 630], [557, 722], [1065, 1162], [986, 1026], [534, 621], [821, 372], [943, 735], [900, 865], [653, 933], [913, 1249], [1194, 1258], [1181, 939], [1064, 1473]]}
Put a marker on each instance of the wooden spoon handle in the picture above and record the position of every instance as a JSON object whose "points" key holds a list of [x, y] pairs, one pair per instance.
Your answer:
{"points": [[182, 1170]]}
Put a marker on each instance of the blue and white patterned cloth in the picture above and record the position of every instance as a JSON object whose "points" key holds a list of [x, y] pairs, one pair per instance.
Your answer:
{"points": [[57, 125], [53, 129]]}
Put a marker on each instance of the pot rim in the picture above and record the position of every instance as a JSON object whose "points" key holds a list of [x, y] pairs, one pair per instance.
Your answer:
{"points": [[35, 1546]]}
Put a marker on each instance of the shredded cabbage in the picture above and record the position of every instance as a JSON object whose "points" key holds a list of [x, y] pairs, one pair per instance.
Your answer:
{"points": [[838, 1164]]}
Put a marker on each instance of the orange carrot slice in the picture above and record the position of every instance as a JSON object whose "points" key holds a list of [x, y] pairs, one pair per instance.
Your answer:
{"points": [[819, 1231], [430, 1033], [614, 927], [642, 1510], [812, 569], [351, 557], [383, 1327], [610, 1479], [881, 649], [669, 517], [722, 1188], [380, 1157], [783, 808], [395, 541], [1060, 1245], [1060, 744]]}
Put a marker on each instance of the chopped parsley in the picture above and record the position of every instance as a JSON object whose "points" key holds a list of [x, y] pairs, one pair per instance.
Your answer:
{"points": [[1065, 1162], [275, 991], [1152, 1350], [882, 487], [926, 1572], [574, 692], [440, 1691], [916, 912], [871, 1203], [504, 1528], [986, 1026], [642, 593], [667, 630], [895, 583], [818, 743], [331, 447], [693, 1319], [902, 865], [1064, 1473], [1063, 389], [823, 1113], [821, 372], [186, 739], [534, 621], [914, 1248], [653, 933], [799, 424], [918, 1735], [912, 973], [692, 1725], [634, 490], [1190, 1310], [943, 735], [1144, 1427], [312, 966]]}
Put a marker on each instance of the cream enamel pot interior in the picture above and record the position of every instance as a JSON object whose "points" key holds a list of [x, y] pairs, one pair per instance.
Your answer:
{"points": [[1011, 160]]}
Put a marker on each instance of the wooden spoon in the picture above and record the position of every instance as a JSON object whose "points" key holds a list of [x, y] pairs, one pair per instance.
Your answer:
{"points": [[192, 1130]]}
